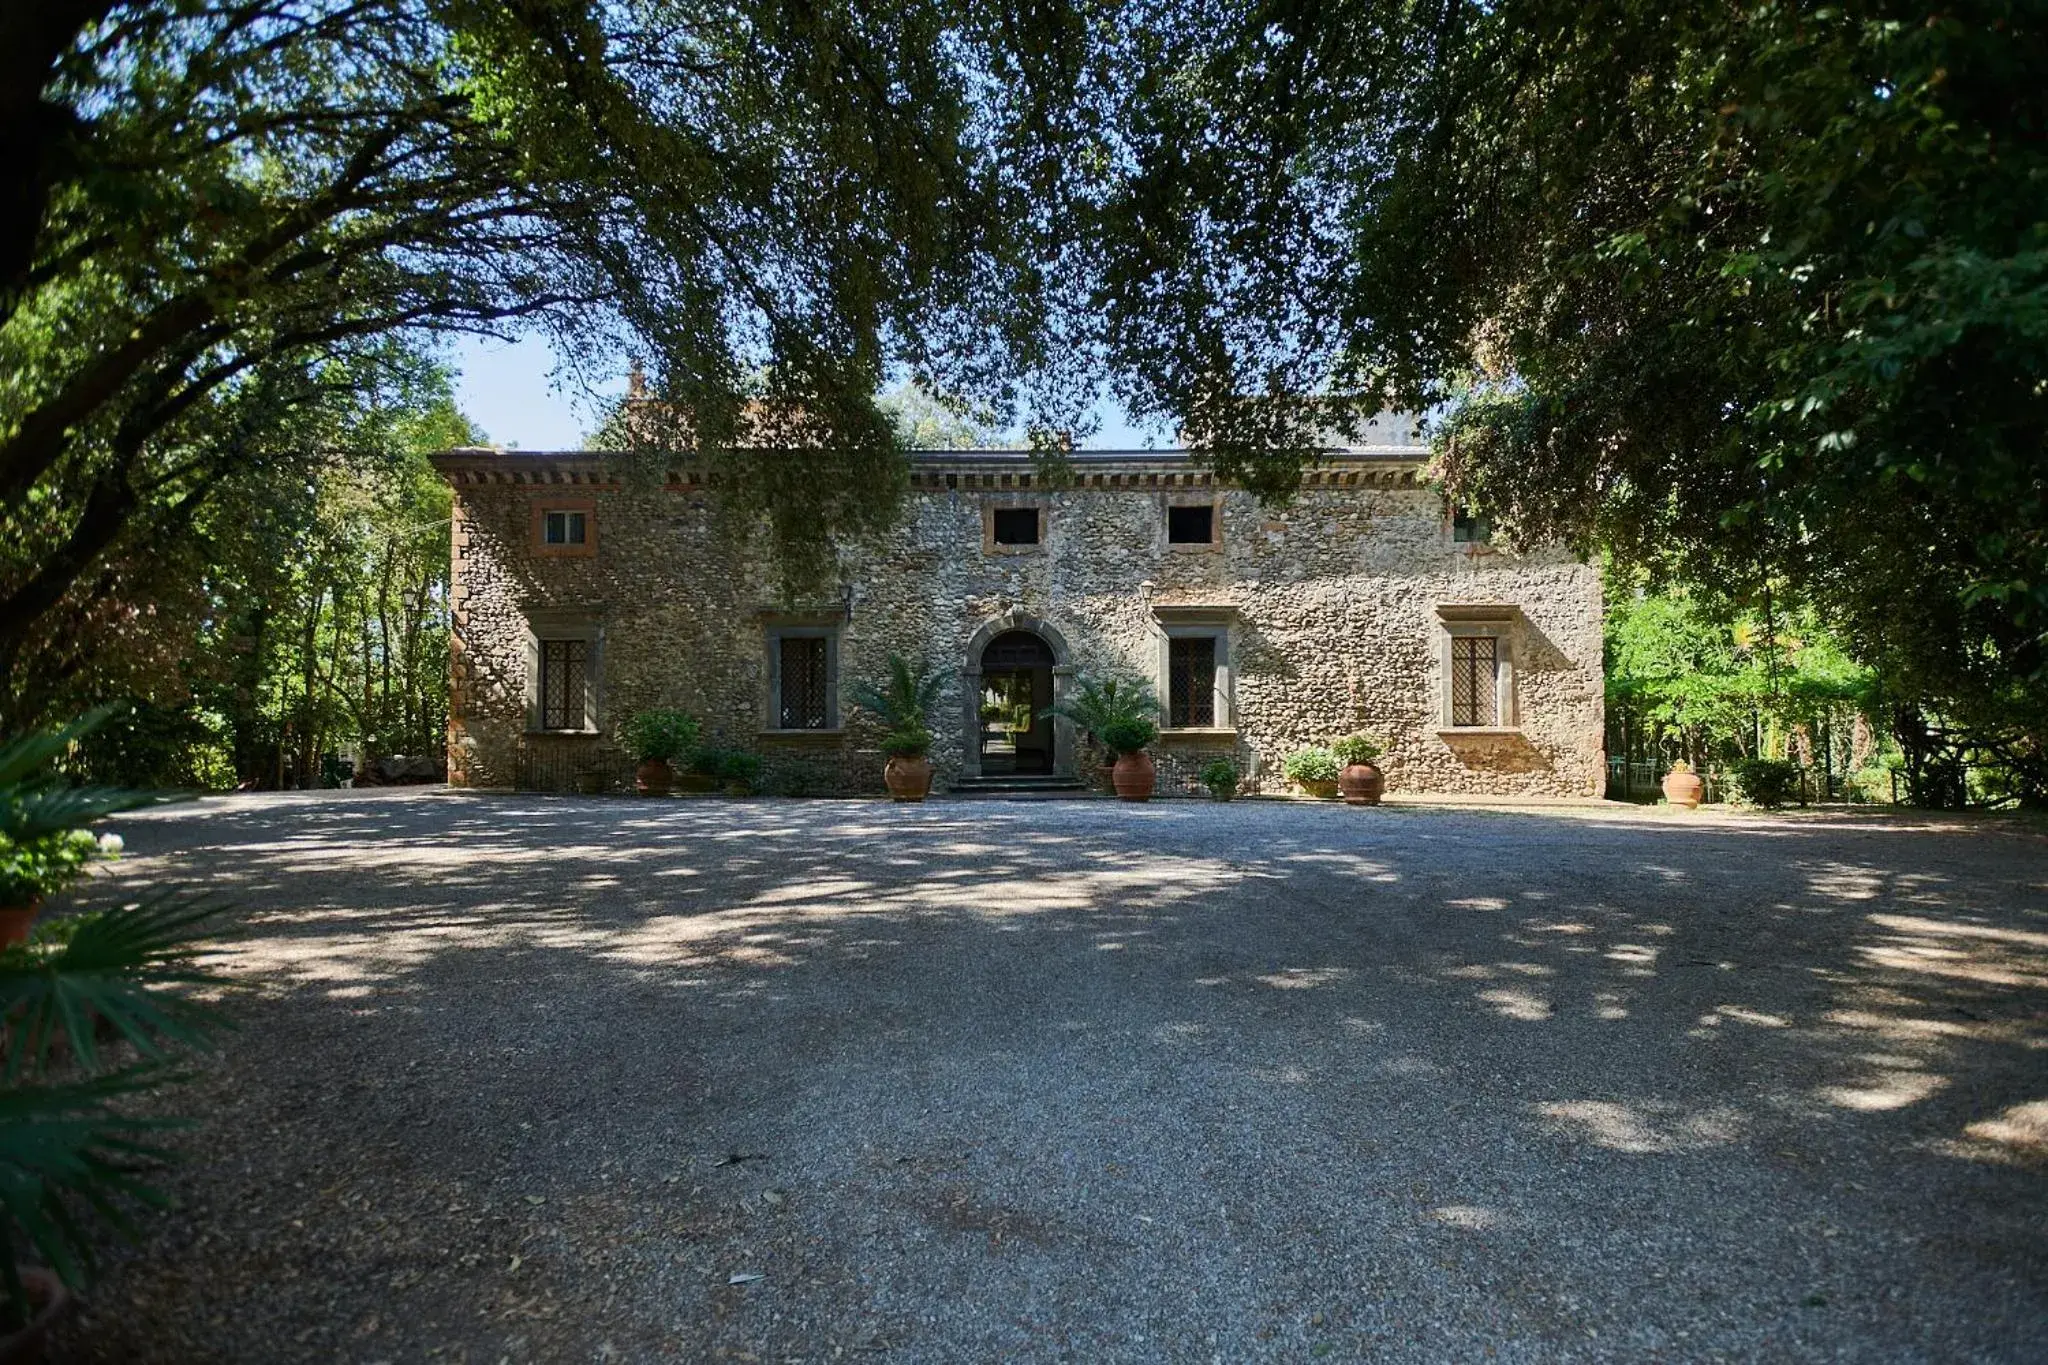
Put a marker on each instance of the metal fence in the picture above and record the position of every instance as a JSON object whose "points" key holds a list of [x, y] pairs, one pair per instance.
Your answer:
{"points": [[572, 767]]}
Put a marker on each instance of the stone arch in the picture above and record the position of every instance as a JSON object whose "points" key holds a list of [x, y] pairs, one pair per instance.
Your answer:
{"points": [[970, 677], [1062, 653]]}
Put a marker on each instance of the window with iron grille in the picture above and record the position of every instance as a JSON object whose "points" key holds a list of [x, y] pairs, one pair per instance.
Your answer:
{"points": [[564, 684], [804, 703], [1475, 680], [1191, 681]]}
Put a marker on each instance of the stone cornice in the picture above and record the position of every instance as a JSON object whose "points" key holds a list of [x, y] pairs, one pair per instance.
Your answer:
{"points": [[940, 470]]}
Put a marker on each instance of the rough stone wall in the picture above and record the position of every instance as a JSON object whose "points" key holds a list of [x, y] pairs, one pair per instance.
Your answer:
{"points": [[1338, 628]]}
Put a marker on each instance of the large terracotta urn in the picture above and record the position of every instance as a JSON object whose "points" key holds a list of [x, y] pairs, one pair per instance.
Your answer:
{"points": [[654, 777], [1683, 787], [17, 920], [1134, 776], [908, 779], [1361, 784]]}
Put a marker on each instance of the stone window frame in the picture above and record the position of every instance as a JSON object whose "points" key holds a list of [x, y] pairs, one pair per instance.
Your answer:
{"points": [[1213, 545], [1218, 622], [1495, 620], [779, 626], [989, 508], [566, 623], [538, 537]]}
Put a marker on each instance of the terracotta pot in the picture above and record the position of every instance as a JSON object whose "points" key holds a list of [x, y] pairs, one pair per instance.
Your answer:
{"points": [[654, 777], [1135, 776], [17, 920], [1361, 784], [1684, 789], [1321, 791], [26, 1346], [908, 779]]}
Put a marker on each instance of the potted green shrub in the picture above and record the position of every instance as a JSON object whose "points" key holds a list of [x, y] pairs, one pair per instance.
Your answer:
{"points": [[1219, 775], [657, 738], [901, 703], [1313, 769], [1359, 779], [1100, 704]]}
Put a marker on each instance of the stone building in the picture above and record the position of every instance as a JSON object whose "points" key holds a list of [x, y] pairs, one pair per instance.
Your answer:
{"points": [[1364, 604]]}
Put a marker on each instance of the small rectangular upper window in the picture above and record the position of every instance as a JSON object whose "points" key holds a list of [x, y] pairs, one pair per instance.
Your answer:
{"points": [[1469, 527], [1014, 525], [1191, 525], [564, 528]]}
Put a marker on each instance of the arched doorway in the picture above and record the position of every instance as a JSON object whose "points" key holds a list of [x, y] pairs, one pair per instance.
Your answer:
{"points": [[1014, 733]]}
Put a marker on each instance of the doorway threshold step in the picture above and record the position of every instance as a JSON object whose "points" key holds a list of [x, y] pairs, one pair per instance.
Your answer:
{"points": [[1019, 784]]}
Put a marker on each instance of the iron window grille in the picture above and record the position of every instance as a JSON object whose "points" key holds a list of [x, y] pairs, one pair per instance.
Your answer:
{"points": [[1475, 680], [1191, 681], [564, 684], [803, 703]]}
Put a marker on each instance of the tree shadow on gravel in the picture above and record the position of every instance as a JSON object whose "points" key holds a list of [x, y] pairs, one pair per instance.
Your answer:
{"points": [[499, 1056]]}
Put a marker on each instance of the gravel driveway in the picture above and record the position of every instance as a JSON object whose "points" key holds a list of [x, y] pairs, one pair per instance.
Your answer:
{"points": [[539, 1079]]}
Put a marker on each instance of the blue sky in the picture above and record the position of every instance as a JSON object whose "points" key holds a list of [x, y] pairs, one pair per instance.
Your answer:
{"points": [[511, 391]]}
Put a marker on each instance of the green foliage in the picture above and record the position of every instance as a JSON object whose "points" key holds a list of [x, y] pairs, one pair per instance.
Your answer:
{"points": [[909, 742], [1312, 764], [44, 843], [901, 702], [660, 733], [68, 1152], [1753, 296], [1220, 776], [234, 230], [734, 766], [1127, 734], [1766, 782], [1353, 749], [1101, 702], [925, 421]]}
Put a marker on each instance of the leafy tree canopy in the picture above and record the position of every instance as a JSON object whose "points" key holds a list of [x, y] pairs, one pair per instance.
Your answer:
{"points": [[235, 218]]}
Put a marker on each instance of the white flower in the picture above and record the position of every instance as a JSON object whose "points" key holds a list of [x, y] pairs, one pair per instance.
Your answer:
{"points": [[111, 845]]}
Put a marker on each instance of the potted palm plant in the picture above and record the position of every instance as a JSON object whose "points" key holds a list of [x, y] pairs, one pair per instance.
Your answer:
{"points": [[1359, 779], [70, 1146], [1313, 769], [1110, 702], [901, 704], [656, 738]]}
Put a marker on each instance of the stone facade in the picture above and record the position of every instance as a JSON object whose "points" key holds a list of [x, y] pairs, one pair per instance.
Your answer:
{"points": [[1335, 614]]}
